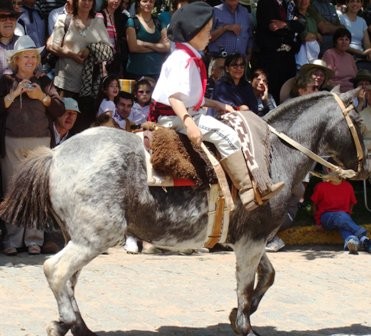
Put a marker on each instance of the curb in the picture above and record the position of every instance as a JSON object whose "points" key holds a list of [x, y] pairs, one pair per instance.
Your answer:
{"points": [[313, 235]]}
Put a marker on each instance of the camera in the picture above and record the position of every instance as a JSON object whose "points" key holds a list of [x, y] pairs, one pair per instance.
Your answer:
{"points": [[27, 85], [223, 53]]}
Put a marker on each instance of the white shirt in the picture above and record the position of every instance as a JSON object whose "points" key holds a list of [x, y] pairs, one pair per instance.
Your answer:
{"points": [[138, 114], [179, 77], [119, 120], [53, 16], [105, 106]]}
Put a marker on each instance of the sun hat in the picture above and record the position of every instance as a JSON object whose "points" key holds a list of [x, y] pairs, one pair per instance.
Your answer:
{"points": [[7, 9], [362, 75], [317, 64], [24, 43], [71, 104], [188, 20]]}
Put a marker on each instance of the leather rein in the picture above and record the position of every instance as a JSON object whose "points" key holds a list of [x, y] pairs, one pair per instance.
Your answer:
{"points": [[349, 173]]}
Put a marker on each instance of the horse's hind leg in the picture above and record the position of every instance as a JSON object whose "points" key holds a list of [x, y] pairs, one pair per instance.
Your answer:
{"points": [[265, 279], [248, 256], [61, 271], [79, 328]]}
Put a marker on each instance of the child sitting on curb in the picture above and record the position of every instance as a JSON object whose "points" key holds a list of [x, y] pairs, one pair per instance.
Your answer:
{"points": [[333, 200]]}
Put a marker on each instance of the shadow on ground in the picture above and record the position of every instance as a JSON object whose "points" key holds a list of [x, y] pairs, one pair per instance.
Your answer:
{"points": [[312, 252], [225, 330]]}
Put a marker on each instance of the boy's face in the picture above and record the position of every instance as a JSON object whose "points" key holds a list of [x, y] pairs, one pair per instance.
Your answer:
{"points": [[124, 107], [143, 94], [201, 40]]}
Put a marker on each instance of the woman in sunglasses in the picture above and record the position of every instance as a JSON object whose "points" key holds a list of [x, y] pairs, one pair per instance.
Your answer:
{"points": [[233, 88]]}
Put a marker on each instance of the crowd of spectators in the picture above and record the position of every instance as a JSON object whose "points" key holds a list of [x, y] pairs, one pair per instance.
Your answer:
{"points": [[63, 64]]}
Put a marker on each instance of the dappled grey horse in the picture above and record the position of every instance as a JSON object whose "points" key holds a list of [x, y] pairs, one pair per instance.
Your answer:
{"points": [[94, 187]]}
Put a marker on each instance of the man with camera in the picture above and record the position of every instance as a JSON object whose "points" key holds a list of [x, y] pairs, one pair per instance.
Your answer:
{"points": [[232, 30]]}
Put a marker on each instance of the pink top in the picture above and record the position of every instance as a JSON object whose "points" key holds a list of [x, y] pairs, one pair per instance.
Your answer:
{"points": [[344, 67]]}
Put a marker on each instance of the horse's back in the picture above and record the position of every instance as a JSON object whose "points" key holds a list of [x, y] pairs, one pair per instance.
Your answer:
{"points": [[93, 177]]}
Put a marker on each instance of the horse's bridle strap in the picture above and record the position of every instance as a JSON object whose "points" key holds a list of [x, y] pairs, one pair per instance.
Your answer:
{"points": [[352, 129], [341, 172]]}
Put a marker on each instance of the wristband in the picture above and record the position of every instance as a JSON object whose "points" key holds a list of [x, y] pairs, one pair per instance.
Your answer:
{"points": [[185, 117]]}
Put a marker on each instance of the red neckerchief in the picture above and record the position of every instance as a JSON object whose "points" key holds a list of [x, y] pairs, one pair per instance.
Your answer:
{"points": [[200, 65]]}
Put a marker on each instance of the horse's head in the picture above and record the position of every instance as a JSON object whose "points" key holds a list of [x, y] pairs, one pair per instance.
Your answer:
{"points": [[342, 137]]}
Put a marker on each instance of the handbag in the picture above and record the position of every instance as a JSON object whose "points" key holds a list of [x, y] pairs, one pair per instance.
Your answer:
{"points": [[50, 59]]}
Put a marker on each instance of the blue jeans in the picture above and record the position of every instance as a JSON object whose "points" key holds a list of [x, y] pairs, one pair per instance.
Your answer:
{"points": [[342, 221]]}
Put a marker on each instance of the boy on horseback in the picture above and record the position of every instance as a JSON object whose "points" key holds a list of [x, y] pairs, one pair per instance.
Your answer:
{"points": [[179, 95]]}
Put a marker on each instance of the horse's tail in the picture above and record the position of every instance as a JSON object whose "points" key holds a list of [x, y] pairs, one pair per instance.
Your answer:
{"points": [[27, 203]]}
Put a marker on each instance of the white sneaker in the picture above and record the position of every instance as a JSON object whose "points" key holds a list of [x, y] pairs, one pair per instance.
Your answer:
{"points": [[275, 244], [131, 245]]}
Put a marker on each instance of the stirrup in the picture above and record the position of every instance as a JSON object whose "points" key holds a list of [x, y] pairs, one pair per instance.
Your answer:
{"points": [[274, 190]]}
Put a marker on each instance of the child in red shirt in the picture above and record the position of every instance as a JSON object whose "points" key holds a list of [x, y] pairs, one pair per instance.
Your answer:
{"points": [[333, 202]]}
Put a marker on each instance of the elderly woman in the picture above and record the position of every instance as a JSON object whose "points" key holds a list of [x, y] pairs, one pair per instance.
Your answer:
{"points": [[27, 105], [340, 61], [233, 88]]}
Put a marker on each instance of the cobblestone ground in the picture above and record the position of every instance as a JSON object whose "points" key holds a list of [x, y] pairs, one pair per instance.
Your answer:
{"points": [[317, 292]]}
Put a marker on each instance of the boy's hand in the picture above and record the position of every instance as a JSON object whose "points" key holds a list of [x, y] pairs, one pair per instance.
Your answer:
{"points": [[193, 132]]}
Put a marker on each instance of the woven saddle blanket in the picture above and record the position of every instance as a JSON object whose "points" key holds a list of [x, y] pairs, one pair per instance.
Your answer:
{"points": [[172, 156]]}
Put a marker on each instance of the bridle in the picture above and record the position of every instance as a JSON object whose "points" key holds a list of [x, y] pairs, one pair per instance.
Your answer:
{"points": [[349, 173]]}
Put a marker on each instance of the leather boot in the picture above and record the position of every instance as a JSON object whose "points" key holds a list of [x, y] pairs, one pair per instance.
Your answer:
{"points": [[236, 168], [274, 190]]}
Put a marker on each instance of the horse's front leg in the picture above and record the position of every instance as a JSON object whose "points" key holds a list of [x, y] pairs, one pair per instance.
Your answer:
{"points": [[61, 271], [248, 256], [266, 276]]}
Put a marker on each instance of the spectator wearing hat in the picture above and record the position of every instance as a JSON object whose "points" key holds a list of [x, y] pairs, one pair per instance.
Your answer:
{"points": [[363, 81], [311, 77], [8, 20], [179, 105], [363, 106], [62, 125], [340, 61], [27, 103], [232, 30]]}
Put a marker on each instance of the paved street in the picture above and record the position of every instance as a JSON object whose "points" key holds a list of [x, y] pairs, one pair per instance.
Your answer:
{"points": [[317, 292]]}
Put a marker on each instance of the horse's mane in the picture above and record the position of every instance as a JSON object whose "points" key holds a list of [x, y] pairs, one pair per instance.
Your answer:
{"points": [[292, 105], [306, 101]]}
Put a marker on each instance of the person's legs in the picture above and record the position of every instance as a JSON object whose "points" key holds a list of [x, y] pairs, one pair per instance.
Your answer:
{"points": [[349, 230]]}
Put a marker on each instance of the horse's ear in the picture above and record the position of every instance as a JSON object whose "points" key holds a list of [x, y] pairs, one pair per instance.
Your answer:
{"points": [[346, 97], [336, 89]]}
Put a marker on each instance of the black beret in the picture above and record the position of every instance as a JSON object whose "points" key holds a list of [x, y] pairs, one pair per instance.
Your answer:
{"points": [[188, 20]]}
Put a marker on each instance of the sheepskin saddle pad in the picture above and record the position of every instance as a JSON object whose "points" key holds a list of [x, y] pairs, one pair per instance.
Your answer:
{"points": [[173, 154]]}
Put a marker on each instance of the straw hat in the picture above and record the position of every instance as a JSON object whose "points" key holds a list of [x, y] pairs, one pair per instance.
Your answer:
{"points": [[314, 64], [317, 64], [24, 43]]}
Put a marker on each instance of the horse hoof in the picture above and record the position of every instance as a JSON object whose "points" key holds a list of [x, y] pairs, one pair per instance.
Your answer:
{"points": [[82, 330], [232, 320], [57, 328]]}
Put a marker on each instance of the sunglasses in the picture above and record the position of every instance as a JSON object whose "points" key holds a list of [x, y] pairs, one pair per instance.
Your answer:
{"points": [[144, 92], [4, 18]]}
